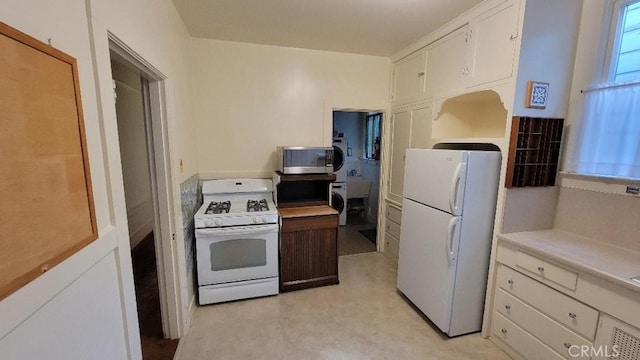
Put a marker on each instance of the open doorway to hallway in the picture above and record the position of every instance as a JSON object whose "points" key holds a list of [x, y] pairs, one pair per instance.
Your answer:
{"points": [[131, 90], [355, 194]]}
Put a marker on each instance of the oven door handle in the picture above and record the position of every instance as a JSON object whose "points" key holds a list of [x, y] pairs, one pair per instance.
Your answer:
{"points": [[244, 230]]}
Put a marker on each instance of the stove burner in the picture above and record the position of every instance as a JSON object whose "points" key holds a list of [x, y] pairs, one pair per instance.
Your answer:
{"points": [[218, 207], [257, 205]]}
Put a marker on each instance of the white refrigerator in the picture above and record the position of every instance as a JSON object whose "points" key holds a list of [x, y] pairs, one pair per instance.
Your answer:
{"points": [[448, 211]]}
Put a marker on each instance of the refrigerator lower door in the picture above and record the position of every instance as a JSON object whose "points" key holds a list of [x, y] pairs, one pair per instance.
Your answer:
{"points": [[427, 260]]}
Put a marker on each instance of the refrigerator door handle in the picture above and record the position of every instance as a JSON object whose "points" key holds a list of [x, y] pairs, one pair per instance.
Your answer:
{"points": [[452, 234], [456, 182]]}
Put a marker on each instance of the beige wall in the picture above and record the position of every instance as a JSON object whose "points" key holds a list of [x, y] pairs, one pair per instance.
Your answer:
{"points": [[590, 206], [248, 99]]}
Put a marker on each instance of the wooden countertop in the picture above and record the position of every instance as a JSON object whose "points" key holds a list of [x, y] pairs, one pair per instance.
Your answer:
{"points": [[303, 211], [612, 263]]}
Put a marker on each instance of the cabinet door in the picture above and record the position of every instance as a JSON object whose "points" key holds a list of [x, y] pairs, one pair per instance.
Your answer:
{"points": [[493, 40], [409, 75], [400, 135], [308, 252], [421, 124], [616, 340], [447, 63]]}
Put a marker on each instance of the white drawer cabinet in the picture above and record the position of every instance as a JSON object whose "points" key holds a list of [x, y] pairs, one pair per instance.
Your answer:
{"points": [[394, 214], [527, 345], [392, 230], [565, 310], [545, 308], [546, 271], [550, 332]]}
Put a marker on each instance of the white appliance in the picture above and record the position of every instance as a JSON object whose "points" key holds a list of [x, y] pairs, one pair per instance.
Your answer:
{"points": [[236, 240], [340, 159], [448, 210], [339, 200]]}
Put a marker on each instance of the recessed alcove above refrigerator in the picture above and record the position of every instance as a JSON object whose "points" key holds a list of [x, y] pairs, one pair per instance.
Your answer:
{"points": [[479, 114]]}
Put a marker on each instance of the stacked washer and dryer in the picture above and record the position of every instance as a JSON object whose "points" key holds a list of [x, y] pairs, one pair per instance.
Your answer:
{"points": [[339, 187]]}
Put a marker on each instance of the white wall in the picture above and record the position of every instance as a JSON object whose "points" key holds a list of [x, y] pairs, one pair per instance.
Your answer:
{"points": [[547, 54], [84, 308], [249, 98], [133, 151], [592, 207]]}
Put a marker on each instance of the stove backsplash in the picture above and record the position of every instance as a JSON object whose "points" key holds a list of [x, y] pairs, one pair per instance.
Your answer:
{"points": [[191, 196]]}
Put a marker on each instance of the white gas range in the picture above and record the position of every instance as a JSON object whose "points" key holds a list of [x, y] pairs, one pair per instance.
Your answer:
{"points": [[236, 240]]}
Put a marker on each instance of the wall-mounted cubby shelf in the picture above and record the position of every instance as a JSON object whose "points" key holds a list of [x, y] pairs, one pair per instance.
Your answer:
{"points": [[534, 150]]}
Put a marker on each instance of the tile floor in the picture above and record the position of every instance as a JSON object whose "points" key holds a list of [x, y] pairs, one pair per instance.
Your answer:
{"points": [[363, 317], [351, 241]]}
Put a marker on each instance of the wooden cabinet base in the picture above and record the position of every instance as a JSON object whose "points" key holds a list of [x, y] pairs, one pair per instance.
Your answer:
{"points": [[308, 252], [309, 283]]}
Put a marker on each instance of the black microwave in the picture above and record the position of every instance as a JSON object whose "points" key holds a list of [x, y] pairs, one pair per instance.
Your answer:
{"points": [[305, 160]]}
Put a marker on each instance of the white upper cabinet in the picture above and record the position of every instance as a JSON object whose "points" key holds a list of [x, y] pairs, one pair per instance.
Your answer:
{"points": [[492, 42], [409, 77], [482, 50], [447, 63]]}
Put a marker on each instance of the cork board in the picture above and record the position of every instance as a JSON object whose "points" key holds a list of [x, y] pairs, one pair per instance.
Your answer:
{"points": [[46, 211]]}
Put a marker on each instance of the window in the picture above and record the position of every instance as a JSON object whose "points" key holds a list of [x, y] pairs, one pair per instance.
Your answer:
{"points": [[373, 128], [608, 134], [625, 47]]}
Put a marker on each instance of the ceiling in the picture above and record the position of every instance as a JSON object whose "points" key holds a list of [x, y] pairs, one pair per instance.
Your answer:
{"points": [[371, 27]]}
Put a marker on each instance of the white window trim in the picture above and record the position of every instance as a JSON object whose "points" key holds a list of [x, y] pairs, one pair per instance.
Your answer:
{"points": [[611, 39]]}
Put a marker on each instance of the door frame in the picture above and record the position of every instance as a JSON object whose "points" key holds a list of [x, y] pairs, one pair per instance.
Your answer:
{"points": [[162, 192], [328, 141]]}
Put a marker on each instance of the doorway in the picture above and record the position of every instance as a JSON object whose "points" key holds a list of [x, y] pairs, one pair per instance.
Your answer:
{"points": [[356, 140], [138, 103]]}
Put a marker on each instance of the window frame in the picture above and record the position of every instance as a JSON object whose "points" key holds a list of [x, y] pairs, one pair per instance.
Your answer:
{"points": [[366, 154], [613, 35]]}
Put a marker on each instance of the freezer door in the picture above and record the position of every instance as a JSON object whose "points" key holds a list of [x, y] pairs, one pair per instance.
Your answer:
{"points": [[427, 260], [436, 178]]}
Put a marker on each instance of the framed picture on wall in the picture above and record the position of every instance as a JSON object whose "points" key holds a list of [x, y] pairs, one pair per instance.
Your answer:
{"points": [[537, 93]]}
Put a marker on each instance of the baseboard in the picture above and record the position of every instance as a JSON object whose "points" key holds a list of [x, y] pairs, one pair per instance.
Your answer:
{"points": [[140, 233]]}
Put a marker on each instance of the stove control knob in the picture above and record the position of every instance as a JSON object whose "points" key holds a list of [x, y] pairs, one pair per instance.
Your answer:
{"points": [[263, 219], [218, 222], [208, 222]]}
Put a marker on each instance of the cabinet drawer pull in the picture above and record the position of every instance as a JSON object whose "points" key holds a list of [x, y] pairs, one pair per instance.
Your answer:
{"points": [[510, 282], [572, 315], [508, 307], [540, 268], [567, 345], [421, 73], [504, 331]]}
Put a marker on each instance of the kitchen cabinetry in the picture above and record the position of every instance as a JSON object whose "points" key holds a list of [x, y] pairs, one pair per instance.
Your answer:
{"points": [[447, 63], [393, 216], [480, 51], [409, 128], [308, 231], [492, 42], [409, 77], [400, 140], [545, 309], [308, 247]]}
